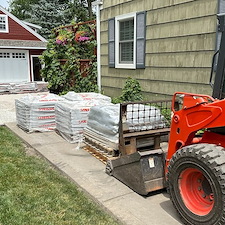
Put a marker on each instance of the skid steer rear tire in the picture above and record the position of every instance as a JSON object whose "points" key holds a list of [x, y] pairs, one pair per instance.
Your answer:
{"points": [[196, 184]]}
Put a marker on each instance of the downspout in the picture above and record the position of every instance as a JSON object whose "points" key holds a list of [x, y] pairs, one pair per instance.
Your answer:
{"points": [[98, 3]]}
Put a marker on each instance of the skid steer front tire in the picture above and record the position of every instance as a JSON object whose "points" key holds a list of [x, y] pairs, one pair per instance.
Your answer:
{"points": [[196, 184]]}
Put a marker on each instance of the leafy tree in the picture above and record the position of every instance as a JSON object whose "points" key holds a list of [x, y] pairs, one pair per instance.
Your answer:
{"points": [[52, 13], [48, 14], [21, 8], [77, 10]]}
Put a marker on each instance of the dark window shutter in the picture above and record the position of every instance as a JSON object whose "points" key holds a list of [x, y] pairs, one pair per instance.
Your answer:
{"points": [[141, 39], [111, 42]]}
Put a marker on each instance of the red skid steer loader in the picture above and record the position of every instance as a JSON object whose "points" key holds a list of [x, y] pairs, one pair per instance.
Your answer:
{"points": [[195, 165], [192, 165]]}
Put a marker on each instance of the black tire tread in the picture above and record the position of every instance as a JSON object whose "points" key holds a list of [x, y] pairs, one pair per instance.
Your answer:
{"points": [[213, 157]]}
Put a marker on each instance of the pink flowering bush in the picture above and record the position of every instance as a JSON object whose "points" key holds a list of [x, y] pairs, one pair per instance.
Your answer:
{"points": [[82, 36], [81, 39], [60, 41], [63, 37], [68, 48]]}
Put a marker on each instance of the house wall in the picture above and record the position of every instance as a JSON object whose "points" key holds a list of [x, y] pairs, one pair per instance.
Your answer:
{"points": [[180, 43], [17, 32]]}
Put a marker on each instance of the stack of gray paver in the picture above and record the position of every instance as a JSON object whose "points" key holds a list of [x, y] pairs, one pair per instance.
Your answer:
{"points": [[17, 88], [37, 113], [4, 88], [22, 87], [72, 114]]}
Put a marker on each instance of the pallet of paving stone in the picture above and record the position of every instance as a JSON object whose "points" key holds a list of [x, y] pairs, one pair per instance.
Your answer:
{"points": [[72, 114], [71, 120], [36, 113], [19, 88], [4, 88], [87, 96]]}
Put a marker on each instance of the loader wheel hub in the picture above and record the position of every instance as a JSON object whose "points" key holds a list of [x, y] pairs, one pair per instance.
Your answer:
{"points": [[196, 191]]}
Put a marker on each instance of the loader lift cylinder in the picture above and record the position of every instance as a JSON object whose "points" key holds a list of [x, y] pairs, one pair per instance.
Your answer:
{"points": [[218, 86]]}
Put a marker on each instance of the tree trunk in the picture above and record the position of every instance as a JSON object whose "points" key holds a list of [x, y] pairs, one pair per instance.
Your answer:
{"points": [[90, 9]]}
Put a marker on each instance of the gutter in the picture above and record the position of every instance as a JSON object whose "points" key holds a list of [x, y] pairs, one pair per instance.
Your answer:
{"points": [[97, 4]]}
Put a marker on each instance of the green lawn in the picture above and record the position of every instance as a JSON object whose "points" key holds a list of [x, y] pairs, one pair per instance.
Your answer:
{"points": [[31, 192]]}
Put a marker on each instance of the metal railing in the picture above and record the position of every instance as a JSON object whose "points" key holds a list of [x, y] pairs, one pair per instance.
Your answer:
{"points": [[142, 116]]}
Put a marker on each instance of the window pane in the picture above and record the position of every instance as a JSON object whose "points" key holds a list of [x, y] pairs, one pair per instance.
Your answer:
{"points": [[126, 41], [127, 30], [126, 52], [18, 55], [2, 27], [2, 19], [4, 55]]}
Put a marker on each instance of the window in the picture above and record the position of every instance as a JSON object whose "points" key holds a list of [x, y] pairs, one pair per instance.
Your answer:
{"points": [[126, 36], [4, 24], [18, 55], [125, 41], [4, 55]]}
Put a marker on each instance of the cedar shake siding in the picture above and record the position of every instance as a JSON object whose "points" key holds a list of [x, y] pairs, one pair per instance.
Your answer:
{"points": [[180, 42]]}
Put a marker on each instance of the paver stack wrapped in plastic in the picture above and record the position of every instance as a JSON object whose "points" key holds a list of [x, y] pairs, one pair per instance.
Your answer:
{"points": [[103, 125], [72, 114], [37, 113], [86, 96], [103, 122]]}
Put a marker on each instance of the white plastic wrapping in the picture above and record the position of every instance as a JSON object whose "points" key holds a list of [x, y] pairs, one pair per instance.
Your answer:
{"points": [[86, 96], [103, 121], [37, 113], [72, 114]]}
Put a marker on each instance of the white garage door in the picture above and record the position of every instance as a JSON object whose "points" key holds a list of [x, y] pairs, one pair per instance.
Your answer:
{"points": [[14, 66]]}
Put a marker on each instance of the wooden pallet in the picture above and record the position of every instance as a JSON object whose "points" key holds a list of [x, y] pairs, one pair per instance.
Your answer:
{"points": [[99, 150]]}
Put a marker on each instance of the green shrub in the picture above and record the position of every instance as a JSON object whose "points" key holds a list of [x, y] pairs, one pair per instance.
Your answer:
{"points": [[131, 92]]}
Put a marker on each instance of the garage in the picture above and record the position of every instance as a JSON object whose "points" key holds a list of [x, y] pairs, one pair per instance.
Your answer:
{"points": [[14, 66]]}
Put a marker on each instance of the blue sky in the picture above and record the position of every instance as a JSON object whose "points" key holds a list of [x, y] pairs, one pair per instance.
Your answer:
{"points": [[4, 3]]}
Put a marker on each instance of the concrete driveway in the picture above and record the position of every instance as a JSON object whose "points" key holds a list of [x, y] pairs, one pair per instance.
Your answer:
{"points": [[7, 106]]}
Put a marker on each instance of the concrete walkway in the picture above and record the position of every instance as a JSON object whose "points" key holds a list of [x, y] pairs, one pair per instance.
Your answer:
{"points": [[88, 173]]}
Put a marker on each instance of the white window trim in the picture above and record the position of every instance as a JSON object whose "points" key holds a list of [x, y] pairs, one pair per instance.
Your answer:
{"points": [[117, 21], [6, 24]]}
